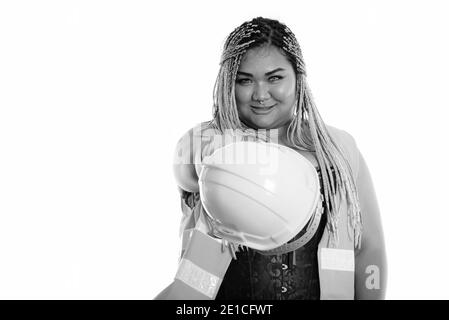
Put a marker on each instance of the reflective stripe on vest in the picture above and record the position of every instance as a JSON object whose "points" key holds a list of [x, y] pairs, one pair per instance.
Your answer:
{"points": [[201, 268], [337, 263]]}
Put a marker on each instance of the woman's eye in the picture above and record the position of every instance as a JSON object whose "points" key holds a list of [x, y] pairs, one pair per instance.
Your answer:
{"points": [[243, 81], [248, 81], [275, 78]]}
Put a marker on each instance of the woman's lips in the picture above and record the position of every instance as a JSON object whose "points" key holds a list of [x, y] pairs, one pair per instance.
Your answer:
{"points": [[262, 110]]}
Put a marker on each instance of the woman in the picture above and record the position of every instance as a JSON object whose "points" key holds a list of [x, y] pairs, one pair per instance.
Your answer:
{"points": [[262, 85]]}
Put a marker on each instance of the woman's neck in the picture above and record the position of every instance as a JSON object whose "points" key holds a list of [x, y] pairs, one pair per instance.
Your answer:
{"points": [[279, 135]]}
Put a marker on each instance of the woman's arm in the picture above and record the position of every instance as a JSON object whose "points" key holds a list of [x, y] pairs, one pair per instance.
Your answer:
{"points": [[370, 259], [195, 144], [164, 294], [184, 163]]}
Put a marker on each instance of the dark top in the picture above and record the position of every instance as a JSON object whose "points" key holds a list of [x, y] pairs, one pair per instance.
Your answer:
{"points": [[290, 276]]}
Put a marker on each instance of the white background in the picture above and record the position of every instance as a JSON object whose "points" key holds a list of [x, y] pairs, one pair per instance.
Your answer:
{"points": [[95, 94]]}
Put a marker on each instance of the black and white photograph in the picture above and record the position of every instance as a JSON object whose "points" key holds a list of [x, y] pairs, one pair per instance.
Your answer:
{"points": [[238, 150]]}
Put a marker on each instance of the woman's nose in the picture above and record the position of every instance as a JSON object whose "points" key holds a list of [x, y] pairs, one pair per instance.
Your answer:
{"points": [[261, 92]]}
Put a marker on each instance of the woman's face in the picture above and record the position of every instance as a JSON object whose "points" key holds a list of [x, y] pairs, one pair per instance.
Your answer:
{"points": [[265, 75]]}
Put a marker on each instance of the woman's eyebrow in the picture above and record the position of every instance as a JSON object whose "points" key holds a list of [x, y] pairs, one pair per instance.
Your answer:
{"points": [[267, 74]]}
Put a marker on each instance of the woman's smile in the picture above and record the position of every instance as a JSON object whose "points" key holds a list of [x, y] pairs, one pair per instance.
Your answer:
{"points": [[262, 110]]}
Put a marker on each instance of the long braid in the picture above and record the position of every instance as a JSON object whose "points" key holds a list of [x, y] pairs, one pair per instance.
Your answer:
{"points": [[306, 131]]}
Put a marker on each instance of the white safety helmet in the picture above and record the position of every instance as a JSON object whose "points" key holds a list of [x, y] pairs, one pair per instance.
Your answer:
{"points": [[258, 194]]}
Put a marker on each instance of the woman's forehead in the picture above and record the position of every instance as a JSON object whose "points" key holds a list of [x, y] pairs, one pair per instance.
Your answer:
{"points": [[264, 58]]}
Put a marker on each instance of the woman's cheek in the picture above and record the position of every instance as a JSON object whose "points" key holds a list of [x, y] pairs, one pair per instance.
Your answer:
{"points": [[285, 92], [242, 95]]}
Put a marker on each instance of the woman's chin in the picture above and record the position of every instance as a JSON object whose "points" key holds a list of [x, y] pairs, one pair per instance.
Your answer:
{"points": [[262, 123]]}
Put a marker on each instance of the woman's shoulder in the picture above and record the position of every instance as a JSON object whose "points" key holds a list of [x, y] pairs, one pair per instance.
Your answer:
{"points": [[341, 135], [197, 133], [188, 156], [348, 145], [205, 128], [193, 145]]}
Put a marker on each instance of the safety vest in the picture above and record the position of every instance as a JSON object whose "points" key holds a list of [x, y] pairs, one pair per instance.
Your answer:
{"points": [[336, 262], [204, 259]]}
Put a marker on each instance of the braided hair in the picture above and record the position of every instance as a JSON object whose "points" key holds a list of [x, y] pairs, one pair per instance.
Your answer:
{"points": [[306, 131]]}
